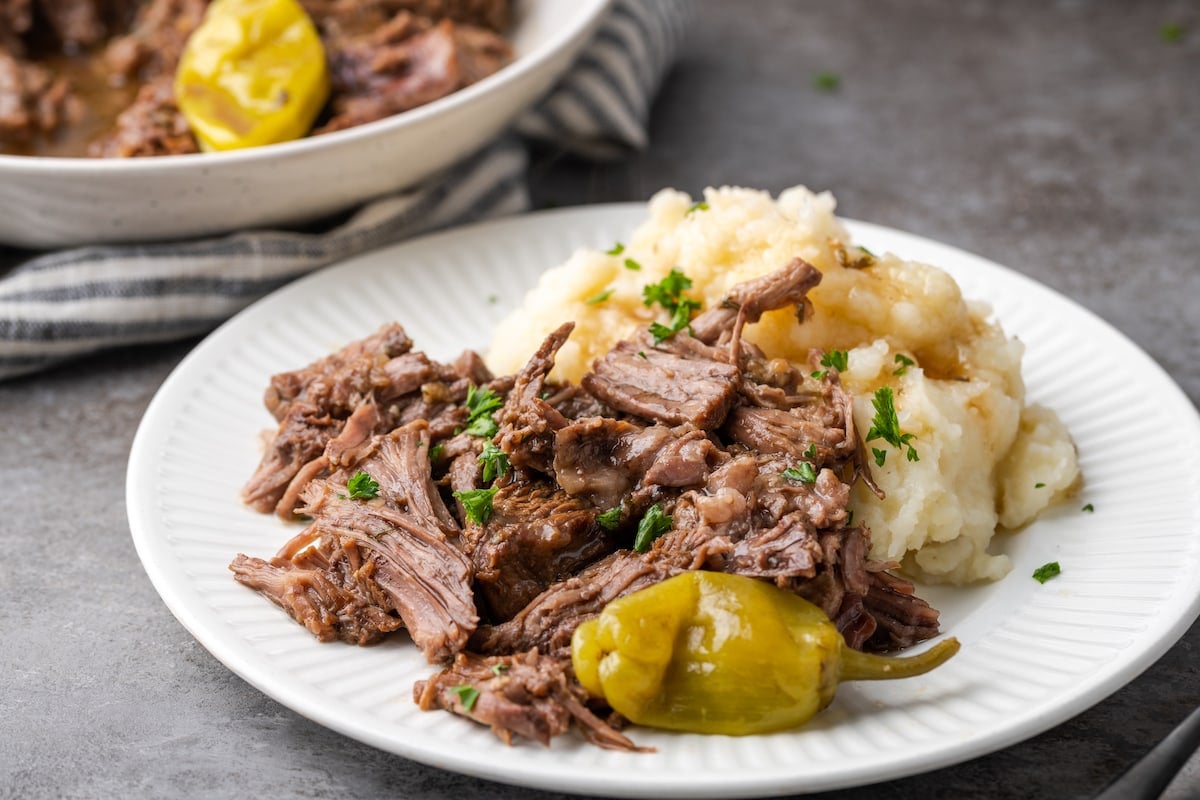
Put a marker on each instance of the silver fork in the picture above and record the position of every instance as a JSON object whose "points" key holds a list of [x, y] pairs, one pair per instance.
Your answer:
{"points": [[1147, 779]]}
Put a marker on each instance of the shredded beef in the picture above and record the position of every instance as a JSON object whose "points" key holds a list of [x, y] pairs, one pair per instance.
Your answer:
{"points": [[751, 457], [33, 102]]}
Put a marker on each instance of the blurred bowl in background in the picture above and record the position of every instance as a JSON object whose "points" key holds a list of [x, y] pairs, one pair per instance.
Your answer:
{"points": [[57, 202]]}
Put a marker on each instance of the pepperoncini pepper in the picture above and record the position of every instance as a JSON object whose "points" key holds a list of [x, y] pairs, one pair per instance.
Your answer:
{"points": [[708, 652], [252, 73]]}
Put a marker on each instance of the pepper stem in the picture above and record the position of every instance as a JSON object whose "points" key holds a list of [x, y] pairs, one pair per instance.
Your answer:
{"points": [[858, 666]]}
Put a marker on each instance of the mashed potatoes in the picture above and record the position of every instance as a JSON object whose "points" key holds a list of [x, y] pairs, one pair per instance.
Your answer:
{"points": [[984, 458]]}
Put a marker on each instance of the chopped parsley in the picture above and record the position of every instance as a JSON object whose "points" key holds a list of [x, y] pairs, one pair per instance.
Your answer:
{"points": [[834, 359], [1171, 32], [880, 456], [642, 354], [362, 487], [477, 503], [802, 474], [596, 299], [480, 405], [633, 265], [653, 525], [498, 668], [494, 461], [886, 426], [668, 293], [615, 250], [850, 518], [826, 81], [1039, 485], [1047, 571], [467, 695], [698, 206], [904, 361], [1088, 508], [811, 450], [865, 258], [435, 452], [492, 299], [609, 520]]}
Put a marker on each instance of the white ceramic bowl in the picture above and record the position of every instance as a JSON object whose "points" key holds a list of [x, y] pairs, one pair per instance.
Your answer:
{"points": [[54, 202]]}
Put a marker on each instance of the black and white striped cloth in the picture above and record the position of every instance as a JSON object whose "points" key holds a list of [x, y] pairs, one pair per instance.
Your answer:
{"points": [[68, 304]]}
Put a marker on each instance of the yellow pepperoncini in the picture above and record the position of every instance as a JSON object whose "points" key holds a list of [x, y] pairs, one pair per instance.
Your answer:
{"points": [[708, 652], [253, 73]]}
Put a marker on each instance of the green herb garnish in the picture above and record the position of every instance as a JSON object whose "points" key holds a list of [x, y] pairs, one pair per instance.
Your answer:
{"points": [[834, 359], [1039, 485], [609, 520], [811, 450], [494, 460], [904, 361], [826, 81], [467, 695], [667, 292], [480, 405], [498, 668], [1171, 32], [362, 487], [1088, 508], [599, 298], [435, 452], [615, 250], [880, 456], [886, 425], [802, 474], [697, 206], [679, 320], [653, 525], [477, 503], [633, 265], [1047, 571]]}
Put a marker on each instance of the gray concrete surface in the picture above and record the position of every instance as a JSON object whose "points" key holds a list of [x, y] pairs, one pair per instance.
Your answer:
{"points": [[1059, 138]]}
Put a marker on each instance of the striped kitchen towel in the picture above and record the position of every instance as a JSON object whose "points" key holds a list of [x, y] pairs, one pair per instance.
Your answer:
{"points": [[67, 304]]}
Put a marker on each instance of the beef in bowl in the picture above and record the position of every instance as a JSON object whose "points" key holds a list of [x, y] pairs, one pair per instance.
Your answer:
{"points": [[102, 78]]}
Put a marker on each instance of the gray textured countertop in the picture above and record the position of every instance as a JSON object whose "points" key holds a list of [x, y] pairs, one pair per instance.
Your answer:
{"points": [[1060, 139]]}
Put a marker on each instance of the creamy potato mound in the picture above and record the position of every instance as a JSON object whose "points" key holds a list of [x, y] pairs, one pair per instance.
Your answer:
{"points": [[982, 452]]}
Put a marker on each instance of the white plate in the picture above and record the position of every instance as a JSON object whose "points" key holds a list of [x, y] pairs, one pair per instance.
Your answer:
{"points": [[1033, 655]]}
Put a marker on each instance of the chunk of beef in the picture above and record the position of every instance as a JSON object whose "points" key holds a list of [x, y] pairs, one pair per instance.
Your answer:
{"points": [[527, 422], [33, 102], [405, 64], [903, 618], [528, 694], [652, 383], [152, 126], [406, 533], [748, 301], [358, 16], [537, 534], [546, 624], [155, 41], [77, 24]]}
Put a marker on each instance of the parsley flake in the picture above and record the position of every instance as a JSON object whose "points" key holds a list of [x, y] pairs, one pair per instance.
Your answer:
{"points": [[435, 452], [609, 520], [886, 425], [599, 298], [1039, 485], [668, 293], [880, 456], [802, 474], [698, 206], [615, 250], [498, 668], [653, 525], [1088, 508], [494, 460], [362, 487], [834, 359], [904, 361], [811, 450], [1171, 32], [467, 695], [633, 265], [480, 405], [826, 81], [477, 503], [493, 299], [1047, 571]]}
